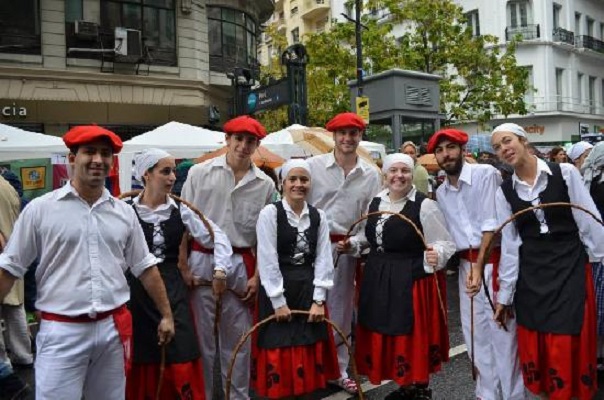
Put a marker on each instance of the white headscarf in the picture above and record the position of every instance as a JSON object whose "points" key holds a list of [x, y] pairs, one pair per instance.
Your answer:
{"points": [[394, 158], [294, 163], [510, 127], [592, 167], [146, 160], [577, 149]]}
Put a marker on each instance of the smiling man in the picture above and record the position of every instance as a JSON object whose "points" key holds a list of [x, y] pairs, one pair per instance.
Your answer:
{"points": [[343, 185], [85, 240], [231, 191], [467, 200]]}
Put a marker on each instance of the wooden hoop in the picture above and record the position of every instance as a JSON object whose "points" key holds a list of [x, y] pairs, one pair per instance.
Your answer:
{"points": [[244, 338], [513, 218], [423, 239]]}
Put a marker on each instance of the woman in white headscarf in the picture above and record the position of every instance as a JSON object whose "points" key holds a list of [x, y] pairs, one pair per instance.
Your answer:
{"points": [[296, 353], [401, 331], [165, 222]]}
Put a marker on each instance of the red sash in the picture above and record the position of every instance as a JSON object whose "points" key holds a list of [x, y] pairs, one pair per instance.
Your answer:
{"points": [[336, 237], [123, 324], [472, 256], [249, 259]]}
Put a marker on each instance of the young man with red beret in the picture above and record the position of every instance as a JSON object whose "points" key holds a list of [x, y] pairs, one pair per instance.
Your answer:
{"points": [[467, 200], [85, 240], [231, 191], [343, 185]]}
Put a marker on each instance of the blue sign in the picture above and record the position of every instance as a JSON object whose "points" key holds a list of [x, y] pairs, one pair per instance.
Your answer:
{"points": [[252, 100]]}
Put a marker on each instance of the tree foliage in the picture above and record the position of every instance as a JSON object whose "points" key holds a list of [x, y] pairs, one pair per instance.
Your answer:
{"points": [[480, 77]]}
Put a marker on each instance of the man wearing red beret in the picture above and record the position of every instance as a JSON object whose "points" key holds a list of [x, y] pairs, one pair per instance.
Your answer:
{"points": [[231, 191], [467, 200], [85, 240], [343, 184]]}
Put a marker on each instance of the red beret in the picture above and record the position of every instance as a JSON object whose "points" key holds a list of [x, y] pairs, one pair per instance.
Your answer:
{"points": [[454, 135], [79, 135], [245, 124], [345, 120]]}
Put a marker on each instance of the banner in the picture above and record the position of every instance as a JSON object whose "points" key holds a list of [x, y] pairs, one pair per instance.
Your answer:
{"points": [[35, 175]]}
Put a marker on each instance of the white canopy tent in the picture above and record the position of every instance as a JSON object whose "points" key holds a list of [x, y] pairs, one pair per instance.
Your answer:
{"points": [[180, 140], [17, 144], [282, 143]]}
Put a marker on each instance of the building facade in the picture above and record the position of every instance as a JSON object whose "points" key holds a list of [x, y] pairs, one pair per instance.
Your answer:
{"points": [[562, 48], [130, 65]]}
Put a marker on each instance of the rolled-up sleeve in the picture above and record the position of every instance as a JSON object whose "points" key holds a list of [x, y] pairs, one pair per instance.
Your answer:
{"points": [[22, 247], [490, 184], [323, 262], [137, 253], [221, 244], [510, 245], [268, 261]]}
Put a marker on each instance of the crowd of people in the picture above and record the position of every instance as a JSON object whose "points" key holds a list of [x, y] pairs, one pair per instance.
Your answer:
{"points": [[137, 298]]}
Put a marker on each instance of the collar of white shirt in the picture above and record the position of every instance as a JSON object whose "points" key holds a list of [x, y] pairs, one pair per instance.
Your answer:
{"points": [[169, 204], [542, 167], [465, 176], [68, 189], [291, 212], [410, 196], [222, 163], [332, 162]]}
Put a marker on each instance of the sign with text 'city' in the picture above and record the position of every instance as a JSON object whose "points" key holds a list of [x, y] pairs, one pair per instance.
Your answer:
{"points": [[267, 97]]}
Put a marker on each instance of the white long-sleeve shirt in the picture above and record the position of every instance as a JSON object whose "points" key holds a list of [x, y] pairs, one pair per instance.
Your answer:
{"points": [[268, 262], [343, 198], [83, 251], [210, 186], [197, 229], [591, 232], [469, 209], [431, 218]]}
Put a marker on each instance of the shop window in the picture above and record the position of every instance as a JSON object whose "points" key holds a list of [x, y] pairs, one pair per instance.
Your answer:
{"points": [[155, 19], [232, 40], [20, 27]]}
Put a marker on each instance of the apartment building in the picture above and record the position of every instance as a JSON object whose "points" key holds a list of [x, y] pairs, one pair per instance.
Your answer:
{"points": [[562, 48], [130, 65]]}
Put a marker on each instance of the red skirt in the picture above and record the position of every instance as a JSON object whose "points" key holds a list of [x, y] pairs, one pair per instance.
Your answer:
{"points": [[294, 371], [562, 366], [408, 359], [180, 381]]}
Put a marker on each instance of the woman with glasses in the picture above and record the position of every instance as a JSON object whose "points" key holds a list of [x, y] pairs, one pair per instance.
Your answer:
{"points": [[545, 271]]}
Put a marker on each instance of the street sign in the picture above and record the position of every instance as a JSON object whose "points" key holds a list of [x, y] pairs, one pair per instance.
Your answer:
{"points": [[267, 97], [363, 108]]}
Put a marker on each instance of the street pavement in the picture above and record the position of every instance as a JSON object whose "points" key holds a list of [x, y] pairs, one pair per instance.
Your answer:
{"points": [[454, 382]]}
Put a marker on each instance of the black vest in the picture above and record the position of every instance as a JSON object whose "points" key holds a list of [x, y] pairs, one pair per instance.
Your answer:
{"points": [[550, 291]]}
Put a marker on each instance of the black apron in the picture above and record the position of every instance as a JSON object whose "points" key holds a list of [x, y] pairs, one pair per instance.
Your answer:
{"points": [[298, 275], [184, 347], [386, 295], [550, 292]]}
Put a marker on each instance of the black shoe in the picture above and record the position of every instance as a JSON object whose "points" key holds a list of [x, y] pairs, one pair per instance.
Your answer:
{"points": [[402, 393], [13, 388], [423, 394]]}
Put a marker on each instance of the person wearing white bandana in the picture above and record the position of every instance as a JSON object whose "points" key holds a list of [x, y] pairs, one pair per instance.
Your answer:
{"points": [[165, 222], [578, 152], [545, 275], [296, 270], [402, 332]]}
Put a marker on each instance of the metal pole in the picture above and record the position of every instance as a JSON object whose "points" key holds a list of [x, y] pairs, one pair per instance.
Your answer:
{"points": [[359, 48]]}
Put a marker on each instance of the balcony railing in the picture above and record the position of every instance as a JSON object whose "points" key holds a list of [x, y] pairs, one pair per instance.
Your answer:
{"points": [[527, 32], [544, 104], [314, 8], [564, 36], [589, 42]]}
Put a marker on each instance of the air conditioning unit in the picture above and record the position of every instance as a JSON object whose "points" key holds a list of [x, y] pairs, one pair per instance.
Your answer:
{"points": [[86, 30], [128, 42]]}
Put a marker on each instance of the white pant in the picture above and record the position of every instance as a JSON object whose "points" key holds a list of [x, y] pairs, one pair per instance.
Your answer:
{"points": [[76, 359], [340, 305], [496, 351], [16, 335], [235, 321]]}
